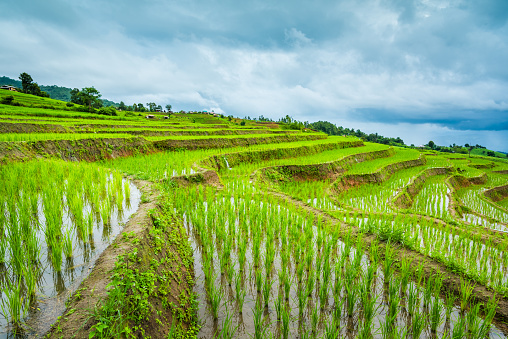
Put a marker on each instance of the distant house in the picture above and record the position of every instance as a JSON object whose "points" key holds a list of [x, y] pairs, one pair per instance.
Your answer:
{"points": [[9, 88], [150, 116]]}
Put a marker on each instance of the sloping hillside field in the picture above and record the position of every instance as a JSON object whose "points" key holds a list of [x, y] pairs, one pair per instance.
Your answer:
{"points": [[199, 227]]}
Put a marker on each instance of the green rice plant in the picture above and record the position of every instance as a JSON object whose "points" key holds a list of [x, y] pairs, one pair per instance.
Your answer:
{"points": [[278, 303], [369, 310], [449, 303], [240, 293], [389, 260], [413, 300], [428, 291], [299, 272], [3, 249], [351, 297], [323, 295], [435, 314], [405, 273], [393, 304], [12, 303], [260, 331], [215, 296], [466, 290], [337, 309], [67, 243], [286, 318], [332, 329], [228, 330], [418, 322], [32, 247], [490, 312], [337, 286], [473, 320], [314, 319], [56, 255], [287, 286], [30, 279], [311, 280], [302, 301], [459, 329], [388, 326], [267, 287], [230, 270], [259, 281]]}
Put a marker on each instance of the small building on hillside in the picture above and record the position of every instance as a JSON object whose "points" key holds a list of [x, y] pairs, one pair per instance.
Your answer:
{"points": [[150, 116], [9, 88]]}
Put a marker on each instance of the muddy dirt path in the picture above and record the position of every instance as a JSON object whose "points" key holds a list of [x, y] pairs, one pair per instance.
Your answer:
{"points": [[75, 323]]}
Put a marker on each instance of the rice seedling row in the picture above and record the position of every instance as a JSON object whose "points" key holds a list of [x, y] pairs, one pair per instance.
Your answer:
{"points": [[55, 219], [269, 268]]}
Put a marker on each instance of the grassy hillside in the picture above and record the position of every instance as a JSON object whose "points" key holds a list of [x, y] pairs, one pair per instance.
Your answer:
{"points": [[245, 229]]}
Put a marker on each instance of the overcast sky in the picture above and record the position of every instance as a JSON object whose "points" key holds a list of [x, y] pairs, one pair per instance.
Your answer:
{"points": [[419, 69]]}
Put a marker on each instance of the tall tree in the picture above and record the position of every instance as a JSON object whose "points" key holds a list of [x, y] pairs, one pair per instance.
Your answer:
{"points": [[90, 96], [26, 81], [75, 97], [151, 106], [168, 107]]}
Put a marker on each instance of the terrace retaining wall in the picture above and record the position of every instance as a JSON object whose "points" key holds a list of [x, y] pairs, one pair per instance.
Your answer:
{"points": [[221, 162], [74, 150], [404, 199], [95, 149], [322, 171], [193, 144], [352, 180], [459, 181], [497, 193]]}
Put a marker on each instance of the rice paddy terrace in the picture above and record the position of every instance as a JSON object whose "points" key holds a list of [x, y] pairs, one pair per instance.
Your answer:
{"points": [[196, 226]]}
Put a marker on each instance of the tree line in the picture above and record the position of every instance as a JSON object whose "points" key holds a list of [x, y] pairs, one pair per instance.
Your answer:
{"points": [[28, 86], [139, 107]]}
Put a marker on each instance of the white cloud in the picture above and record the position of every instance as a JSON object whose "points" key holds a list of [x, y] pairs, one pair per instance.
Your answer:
{"points": [[407, 62], [296, 38]]}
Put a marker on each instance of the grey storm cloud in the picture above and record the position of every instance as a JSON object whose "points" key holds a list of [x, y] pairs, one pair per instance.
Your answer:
{"points": [[421, 63]]}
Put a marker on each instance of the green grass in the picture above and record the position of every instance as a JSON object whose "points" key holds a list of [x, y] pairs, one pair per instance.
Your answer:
{"points": [[32, 100], [13, 137], [483, 152], [401, 154], [243, 136]]}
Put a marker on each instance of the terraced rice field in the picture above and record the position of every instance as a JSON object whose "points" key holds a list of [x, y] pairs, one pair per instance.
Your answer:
{"points": [[298, 236]]}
